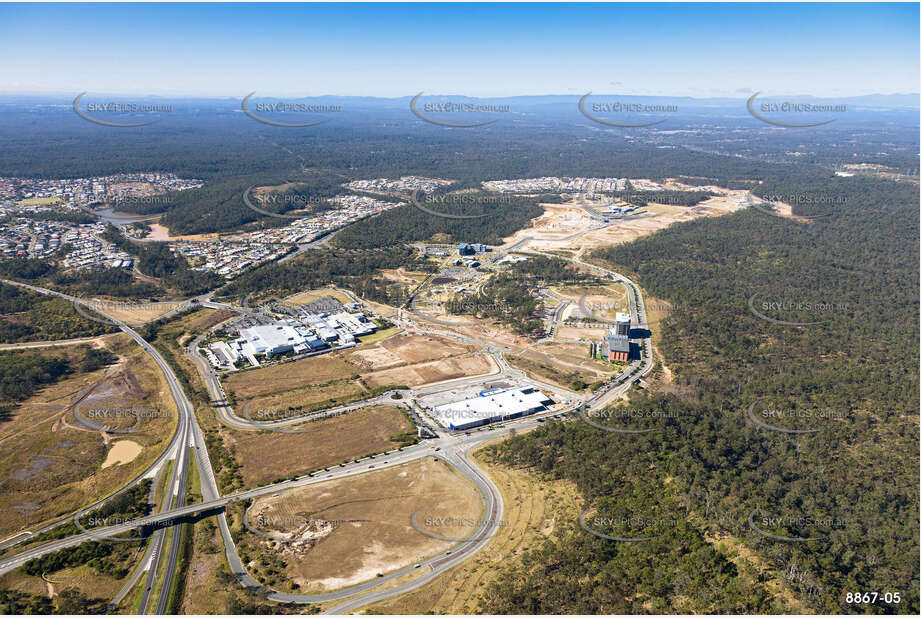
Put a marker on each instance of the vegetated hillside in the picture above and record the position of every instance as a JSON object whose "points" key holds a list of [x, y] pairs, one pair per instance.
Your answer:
{"points": [[230, 153], [852, 486], [22, 373], [354, 270], [501, 216], [29, 316], [104, 282]]}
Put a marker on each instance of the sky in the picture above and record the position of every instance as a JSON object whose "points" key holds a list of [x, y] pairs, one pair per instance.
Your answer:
{"points": [[392, 50]]}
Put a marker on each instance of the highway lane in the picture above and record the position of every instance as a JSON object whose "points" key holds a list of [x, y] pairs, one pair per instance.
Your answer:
{"points": [[177, 498], [178, 448], [212, 503], [437, 564], [159, 461]]}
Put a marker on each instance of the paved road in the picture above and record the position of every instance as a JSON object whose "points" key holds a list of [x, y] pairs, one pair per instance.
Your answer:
{"points": [[158, 463], [453, 449], [187, 432]]}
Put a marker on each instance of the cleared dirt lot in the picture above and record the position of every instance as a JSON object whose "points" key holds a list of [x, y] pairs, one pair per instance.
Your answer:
{"points": [[556, 223], [434, 371], [265, 456], [535, 509], [362, 524], [666, 215], [308, 297], [350, 375], [587, 334], [566, 226], [603, 302]]}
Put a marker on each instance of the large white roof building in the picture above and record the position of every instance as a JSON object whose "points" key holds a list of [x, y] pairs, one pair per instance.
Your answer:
{"points": [[272, 339], [489, 408]]}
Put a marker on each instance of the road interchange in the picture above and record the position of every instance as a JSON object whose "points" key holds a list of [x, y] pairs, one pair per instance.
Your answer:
{"points": [[453, 448]]}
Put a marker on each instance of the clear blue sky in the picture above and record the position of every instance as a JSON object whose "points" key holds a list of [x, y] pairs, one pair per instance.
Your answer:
{"points": [[472, 49]]}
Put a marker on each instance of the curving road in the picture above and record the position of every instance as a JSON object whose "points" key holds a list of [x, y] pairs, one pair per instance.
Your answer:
{"points": [[453, 448]]}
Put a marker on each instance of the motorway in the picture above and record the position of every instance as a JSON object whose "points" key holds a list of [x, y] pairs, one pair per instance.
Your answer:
{"points": [[452, 448], [187, 433]]}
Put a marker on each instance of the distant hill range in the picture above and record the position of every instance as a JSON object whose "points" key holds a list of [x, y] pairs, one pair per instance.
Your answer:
{"points": [[881, 101]]}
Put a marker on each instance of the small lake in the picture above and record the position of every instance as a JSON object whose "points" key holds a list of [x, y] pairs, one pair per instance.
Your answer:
{"points": [[121, 218]]}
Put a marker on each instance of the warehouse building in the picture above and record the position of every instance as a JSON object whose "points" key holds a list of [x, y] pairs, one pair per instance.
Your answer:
{"points": [[271, 339], [490, 407]]}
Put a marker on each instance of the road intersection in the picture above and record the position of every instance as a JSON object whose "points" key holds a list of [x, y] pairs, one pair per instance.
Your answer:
{"points": [[451, 447]]}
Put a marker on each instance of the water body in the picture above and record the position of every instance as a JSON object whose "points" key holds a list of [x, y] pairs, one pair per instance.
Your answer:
{"points": [[121, 218], [122, 452]]}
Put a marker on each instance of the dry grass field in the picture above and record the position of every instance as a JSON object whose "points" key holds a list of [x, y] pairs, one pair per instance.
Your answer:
{"points": [[535, 509], [51, 465], [561, 363], [582, 334], [135, 315], [265, 456], [341, 377], [401, 275], [368, 530], [287, 376], [83, 578]]}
